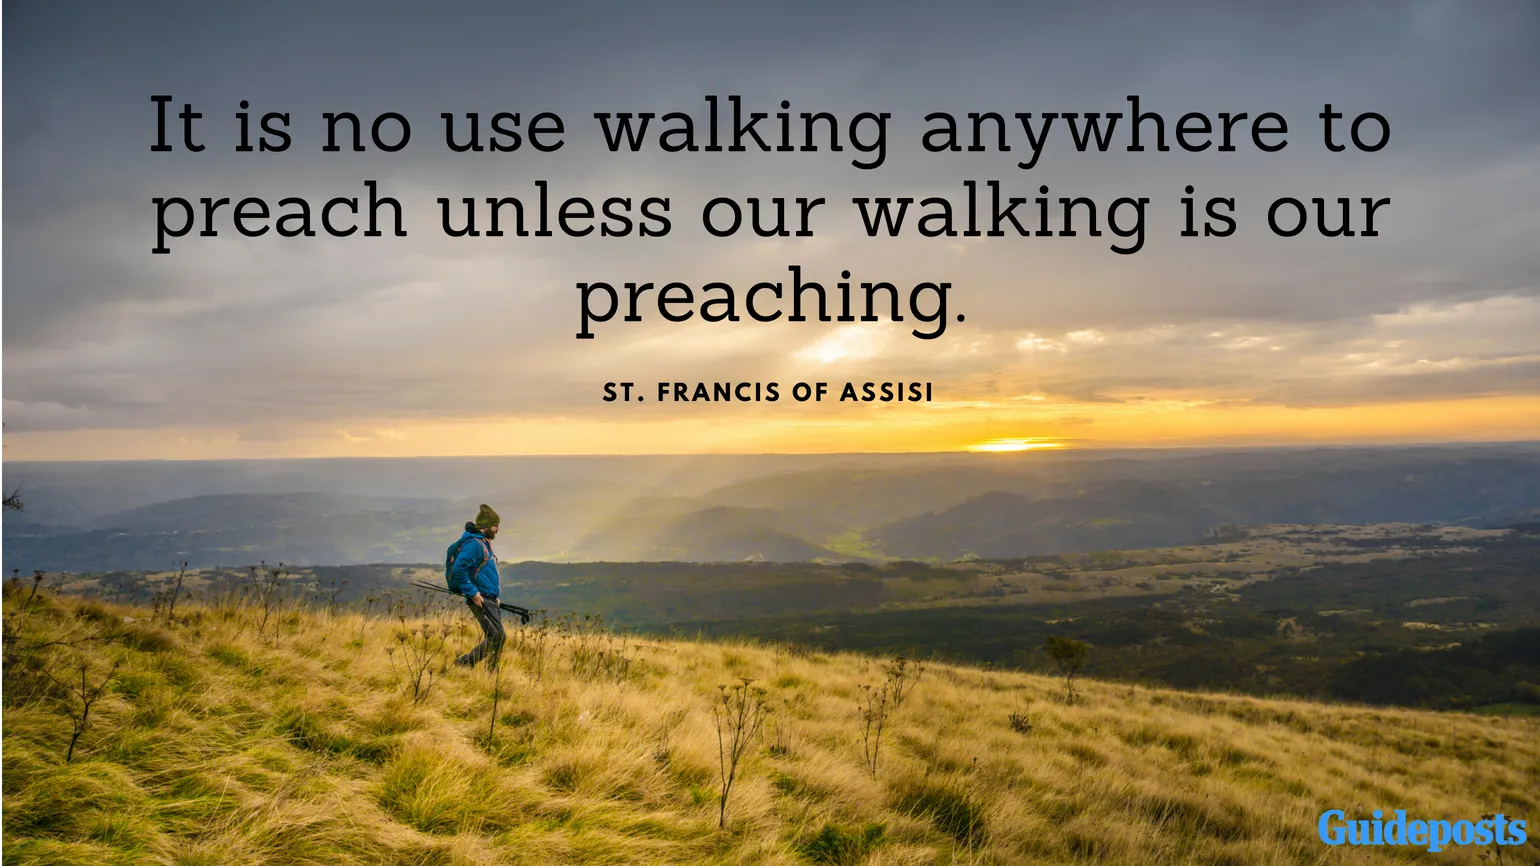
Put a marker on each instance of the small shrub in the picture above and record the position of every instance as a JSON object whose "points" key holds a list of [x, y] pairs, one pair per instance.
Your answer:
{"points": [[80, 696], [739, 715], [841, 846], [783, 783], [166, 593], [598, 652], [1069, 655], [419, 657], [780, 739], [901, 676]]}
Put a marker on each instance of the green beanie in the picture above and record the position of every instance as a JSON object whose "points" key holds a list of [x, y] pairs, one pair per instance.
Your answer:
{"points": [[486, 517]]}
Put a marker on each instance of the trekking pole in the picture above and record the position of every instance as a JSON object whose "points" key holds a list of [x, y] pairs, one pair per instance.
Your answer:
{"points": [[523, 613]]}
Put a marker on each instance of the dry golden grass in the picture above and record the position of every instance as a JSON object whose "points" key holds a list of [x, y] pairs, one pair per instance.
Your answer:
{"points": [[219, 746]]}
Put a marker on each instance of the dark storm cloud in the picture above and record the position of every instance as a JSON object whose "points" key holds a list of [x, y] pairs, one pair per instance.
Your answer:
{"points": [[99, 333]]}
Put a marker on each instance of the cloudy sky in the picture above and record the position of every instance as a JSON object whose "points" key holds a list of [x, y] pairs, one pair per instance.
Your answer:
{"points": [[254, 347]]}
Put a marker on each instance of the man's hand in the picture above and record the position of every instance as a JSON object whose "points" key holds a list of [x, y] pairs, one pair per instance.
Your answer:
{"points": [[476, 599]]}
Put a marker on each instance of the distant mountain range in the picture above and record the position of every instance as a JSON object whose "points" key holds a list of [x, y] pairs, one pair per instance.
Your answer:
{"points": [[1106, 516], [97, 517]]}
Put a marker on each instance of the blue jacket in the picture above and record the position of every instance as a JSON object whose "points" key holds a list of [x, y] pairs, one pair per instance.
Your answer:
{"points": [[475, 568]]}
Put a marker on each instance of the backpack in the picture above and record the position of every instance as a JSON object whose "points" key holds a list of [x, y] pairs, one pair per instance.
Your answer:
{"points": [[454, 553]]}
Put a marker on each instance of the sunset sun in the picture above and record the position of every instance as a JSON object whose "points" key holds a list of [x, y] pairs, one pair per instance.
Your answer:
{"points": [[1009, 445]]}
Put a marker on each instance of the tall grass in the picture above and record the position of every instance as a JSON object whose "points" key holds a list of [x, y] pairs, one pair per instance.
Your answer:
{"points": [[222, 740]]}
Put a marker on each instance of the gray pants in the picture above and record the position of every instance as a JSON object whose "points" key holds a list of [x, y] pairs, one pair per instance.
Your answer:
{"points": [[490, 618]]}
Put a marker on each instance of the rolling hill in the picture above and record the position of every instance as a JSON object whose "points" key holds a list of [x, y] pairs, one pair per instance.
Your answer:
{"points": [[230, 736], [1119, 515], [718, 534], [236, 511], [774, 508]]}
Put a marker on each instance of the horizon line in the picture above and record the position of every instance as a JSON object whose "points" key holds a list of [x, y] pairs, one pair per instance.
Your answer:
{"points": [[1067, 449]]}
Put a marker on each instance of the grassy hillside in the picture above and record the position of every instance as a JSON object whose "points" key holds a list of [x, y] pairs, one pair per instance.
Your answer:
{"points": [[219, 738]]}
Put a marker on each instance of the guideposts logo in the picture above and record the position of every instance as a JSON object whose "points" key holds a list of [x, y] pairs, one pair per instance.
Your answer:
{"points": [[1493, 830]]}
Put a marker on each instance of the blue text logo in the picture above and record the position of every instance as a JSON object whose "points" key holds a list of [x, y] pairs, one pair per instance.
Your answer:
{"points": [[1336, 829]]}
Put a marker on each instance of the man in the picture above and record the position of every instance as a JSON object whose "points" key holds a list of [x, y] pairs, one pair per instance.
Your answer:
{"points": [[474, 575]]}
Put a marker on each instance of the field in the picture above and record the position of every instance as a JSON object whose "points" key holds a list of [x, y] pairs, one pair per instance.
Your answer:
{"points": [[1226, 562], [242, 730], [1432, 627]]}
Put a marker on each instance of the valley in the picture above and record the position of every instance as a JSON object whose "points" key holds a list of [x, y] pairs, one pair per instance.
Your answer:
{"points": [[1386, 613]]}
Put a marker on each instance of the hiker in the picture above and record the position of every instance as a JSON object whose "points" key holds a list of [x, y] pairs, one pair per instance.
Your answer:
{"points": [[474, 575]]}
